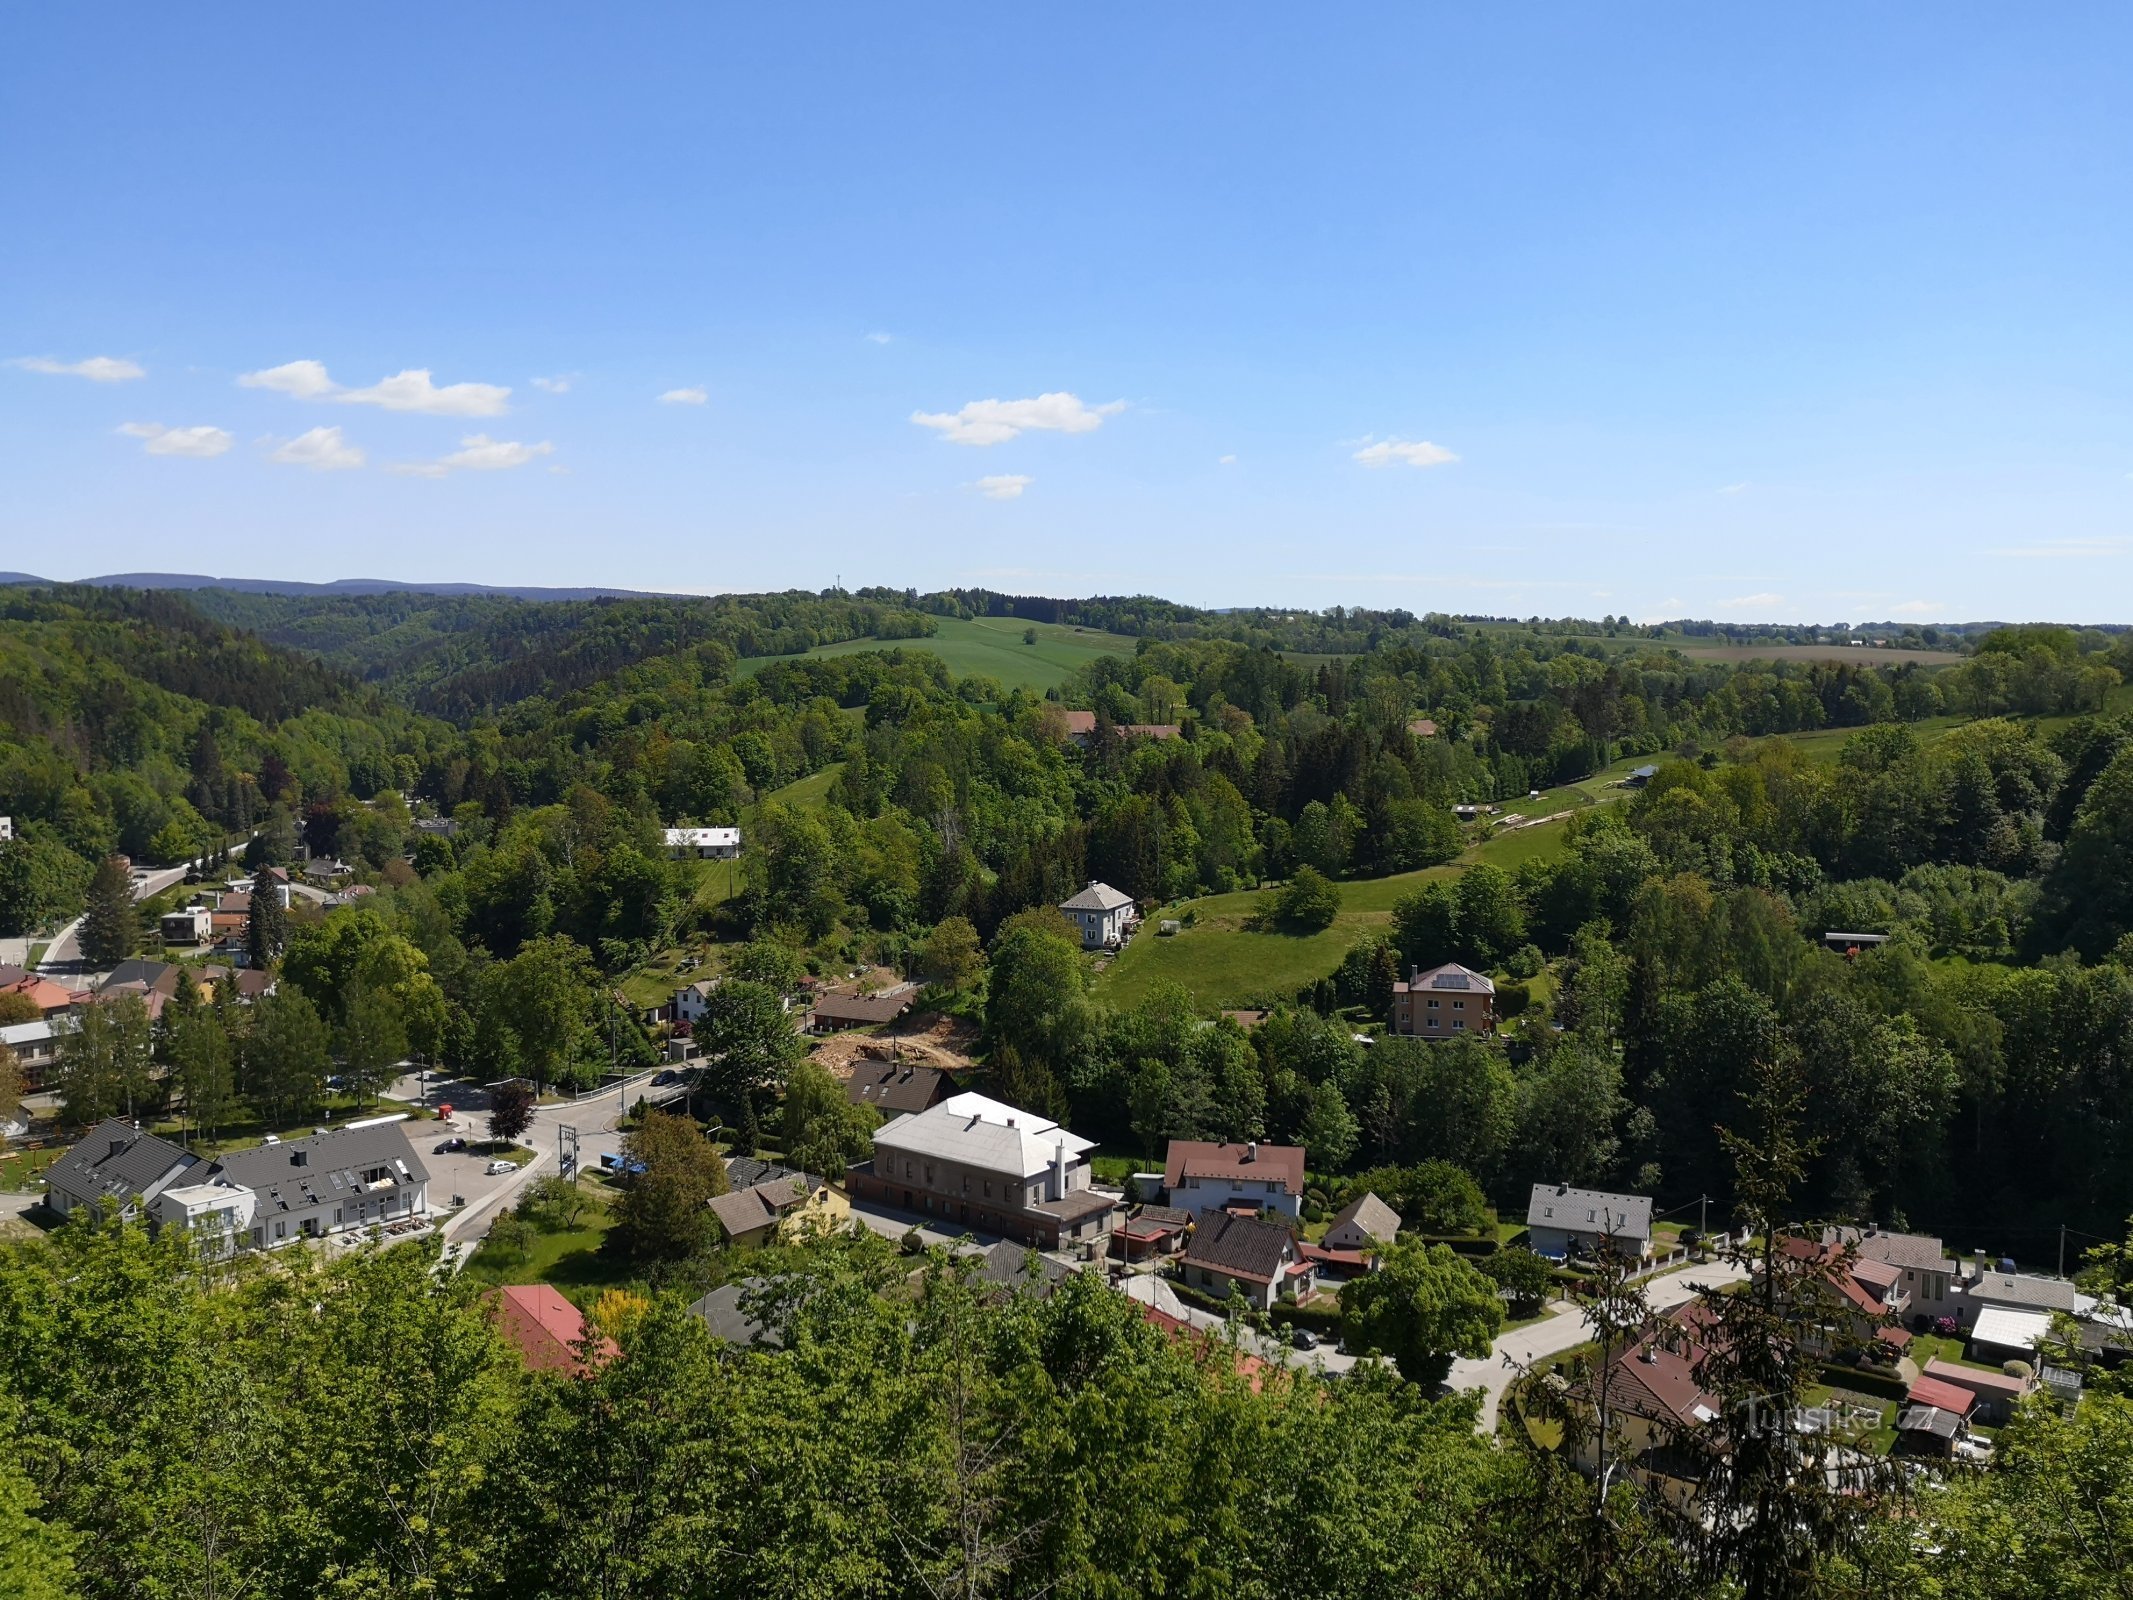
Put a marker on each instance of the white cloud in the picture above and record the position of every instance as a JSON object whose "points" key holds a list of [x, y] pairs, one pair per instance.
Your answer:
{"points": [[97, 369], [322, 450], [1918, 608], [1004, 486], [409, 390], [559, 384], [1733, 488], [684, 397], [1414, 453], [1225, 461], [1751, 602], [880, 338], [200, 444], [997, 421], [478, 452]]}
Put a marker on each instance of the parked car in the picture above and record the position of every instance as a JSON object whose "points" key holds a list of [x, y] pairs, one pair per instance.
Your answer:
{"points": [[451, 1147], [496, 1167], [1304, 1339]]}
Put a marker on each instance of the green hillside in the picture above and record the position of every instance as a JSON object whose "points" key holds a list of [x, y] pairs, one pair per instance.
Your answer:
{"points": [[990, 647]]}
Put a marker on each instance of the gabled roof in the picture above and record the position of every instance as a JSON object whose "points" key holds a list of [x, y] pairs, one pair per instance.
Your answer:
{"points": [[865, 1008], [1625, 1216], [983, 1132], [1941, 1395], [1242, 1247], [745, 1172], [1080, 723], [159, 975], [1916, 1251], [1197, 1158], [118, 1161], [547, 1329], [702, 837], [721, 1312], [744, 1210], [2021, 1289], [1657, 1377], [2009, 1329], [1017, 1269], [1150, 730], [1377, 1219], [1449, 978], [1976, 1379], [300, 1176], [893, 1086], [1097, 897]]}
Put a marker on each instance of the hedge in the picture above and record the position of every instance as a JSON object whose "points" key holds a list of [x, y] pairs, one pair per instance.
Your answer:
{"points": [[1862, 1381], [1319, 1319]]}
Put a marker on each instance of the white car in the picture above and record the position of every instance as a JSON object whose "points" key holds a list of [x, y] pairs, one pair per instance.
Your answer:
{"points": [[496, 1167]]}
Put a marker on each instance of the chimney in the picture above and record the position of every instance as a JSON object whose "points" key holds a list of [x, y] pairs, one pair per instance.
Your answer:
{"points": [[1059, 1178], [299, 1158], [1251, 1151]]}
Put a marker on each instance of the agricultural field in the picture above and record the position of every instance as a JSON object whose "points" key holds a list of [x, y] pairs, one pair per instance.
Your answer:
{"points": [[991, 647]]}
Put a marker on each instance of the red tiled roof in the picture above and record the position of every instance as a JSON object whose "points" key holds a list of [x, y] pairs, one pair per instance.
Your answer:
{"points": [[1199, 1159], [1338, 1258], [1080, 722], [547, 1329], [1941, 1396], [1976, 1379], [1248, 1366]]}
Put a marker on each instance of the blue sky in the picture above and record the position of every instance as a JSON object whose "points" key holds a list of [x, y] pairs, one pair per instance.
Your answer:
{"points": [[1798, 313]]}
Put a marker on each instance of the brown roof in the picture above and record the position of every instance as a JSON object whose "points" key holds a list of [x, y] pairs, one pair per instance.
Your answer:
{"points": [[1080, 722], [1941, 1396], [1657, 1377], [547, 1329], [1242, 1247], [893, 1087], [863, 1008], [1976, 1379], [236, 900], [745, 1210], [1197, 1158]]}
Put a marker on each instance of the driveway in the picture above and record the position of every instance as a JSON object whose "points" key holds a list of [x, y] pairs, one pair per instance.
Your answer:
{"points": [[1567, 1327]]}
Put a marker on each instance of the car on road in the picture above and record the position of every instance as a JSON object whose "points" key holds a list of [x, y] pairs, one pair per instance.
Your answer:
{"points": [[1304, 1339], [495, 1168], [451, 1147], [661, 1080]]}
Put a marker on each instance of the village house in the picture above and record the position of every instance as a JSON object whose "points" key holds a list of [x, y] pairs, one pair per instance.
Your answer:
{"points": [[2017, 1291], [360, 1176], [548, 1331], [186, 925], [1261, 1260], [1562, 1221], [896, 1087], [1151, 730], [1849, 1303], [1931, 1282], [1364, 1223], [1152, 1231], [36, 1048], [834, 1013], [704, 844], [1104, 915], [1201, 1177], [692, 1000], [51, 999], [1659, 1414], [972, 1160], [774, 1204], [1444, 1001], [1081, 726]]}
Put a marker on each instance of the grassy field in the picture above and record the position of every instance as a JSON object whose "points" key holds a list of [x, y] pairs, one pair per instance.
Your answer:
{"points": [[1878, 656], [569, 1258], [18, 1171], [990, 647], [1224, 963]]}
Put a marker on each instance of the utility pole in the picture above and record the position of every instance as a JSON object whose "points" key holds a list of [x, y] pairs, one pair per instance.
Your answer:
{"points": [[2062, 1249]]}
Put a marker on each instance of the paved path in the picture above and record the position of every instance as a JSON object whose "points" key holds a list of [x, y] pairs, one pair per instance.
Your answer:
{"points": [[63, 954], [1568, 1328]]}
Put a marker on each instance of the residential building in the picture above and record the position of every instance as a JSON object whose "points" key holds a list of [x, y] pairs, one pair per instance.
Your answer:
{"points": [[1261, 1260], [1848, 1302], [438, 827], [1422, 728], [360, 1176], [1931, 1282], [1562, 1221], [895, 1087], [7, 829], [186, 925], [972, 1160], [36, 1047], [2008, 1333], [705, 844], [1996, 1393], [1203, 1177], [1008, 1269], [1364, 1223], [1152, 1231], [1639, 777], [1658, 1409], [834, 1013], [733, 1313], [692, 1000], [218, 1215], [765, 1212], [51, 999], [2017, 1291], [1444, 1001], [548, 1331], [156, 977], [1081, 726], [1104, 915]]}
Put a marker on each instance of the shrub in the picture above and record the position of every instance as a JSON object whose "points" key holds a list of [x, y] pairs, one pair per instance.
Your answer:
{"points": [[1307, 902], [1512, 998], [2018, 1369], [1524, 962]]}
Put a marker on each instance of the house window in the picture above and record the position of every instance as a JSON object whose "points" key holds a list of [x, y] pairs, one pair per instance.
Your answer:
{"points": [[1434, 1003], [1458, 1022], [1458, 1005]]}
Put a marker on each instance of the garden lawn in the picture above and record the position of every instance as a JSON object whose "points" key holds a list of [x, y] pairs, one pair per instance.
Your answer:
{"points": [[569, 1258], [18, 1171]]}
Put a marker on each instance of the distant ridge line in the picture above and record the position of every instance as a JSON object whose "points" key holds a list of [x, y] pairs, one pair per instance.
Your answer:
{"points": [[291, 586]]}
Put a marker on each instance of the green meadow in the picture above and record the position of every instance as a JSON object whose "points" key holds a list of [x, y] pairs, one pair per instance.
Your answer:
{"points": [[990, 647]]}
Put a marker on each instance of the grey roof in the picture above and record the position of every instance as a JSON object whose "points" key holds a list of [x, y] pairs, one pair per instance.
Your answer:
{"points": [[1242, 1246], [2023, 1290], [1097, 897], [981, 1133], [149, 974], [1076, 1204], [865, 1008], [744, 1210], [119, 1161], [745, 1172], [1623, 1216], [1015, 1268], [1167, 1216], [1452, 976], [1929, 1419], [299, 1177], [1917, 1251], [721, 1312], [1377, 1219], [894, 1086]]}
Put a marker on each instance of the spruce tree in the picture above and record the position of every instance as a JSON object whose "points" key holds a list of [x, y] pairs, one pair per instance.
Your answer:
{"points": [[266, 929], [111, 926]]}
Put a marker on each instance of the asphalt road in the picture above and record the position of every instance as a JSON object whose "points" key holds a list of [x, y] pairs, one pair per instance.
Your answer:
{"points": [[63, 955]]}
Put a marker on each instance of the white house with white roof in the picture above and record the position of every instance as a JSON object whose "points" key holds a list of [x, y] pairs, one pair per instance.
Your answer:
{"points": [[705, 844]]}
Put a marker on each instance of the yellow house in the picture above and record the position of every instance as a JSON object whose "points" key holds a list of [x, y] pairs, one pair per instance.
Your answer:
{"points": [[781, 1208]]}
